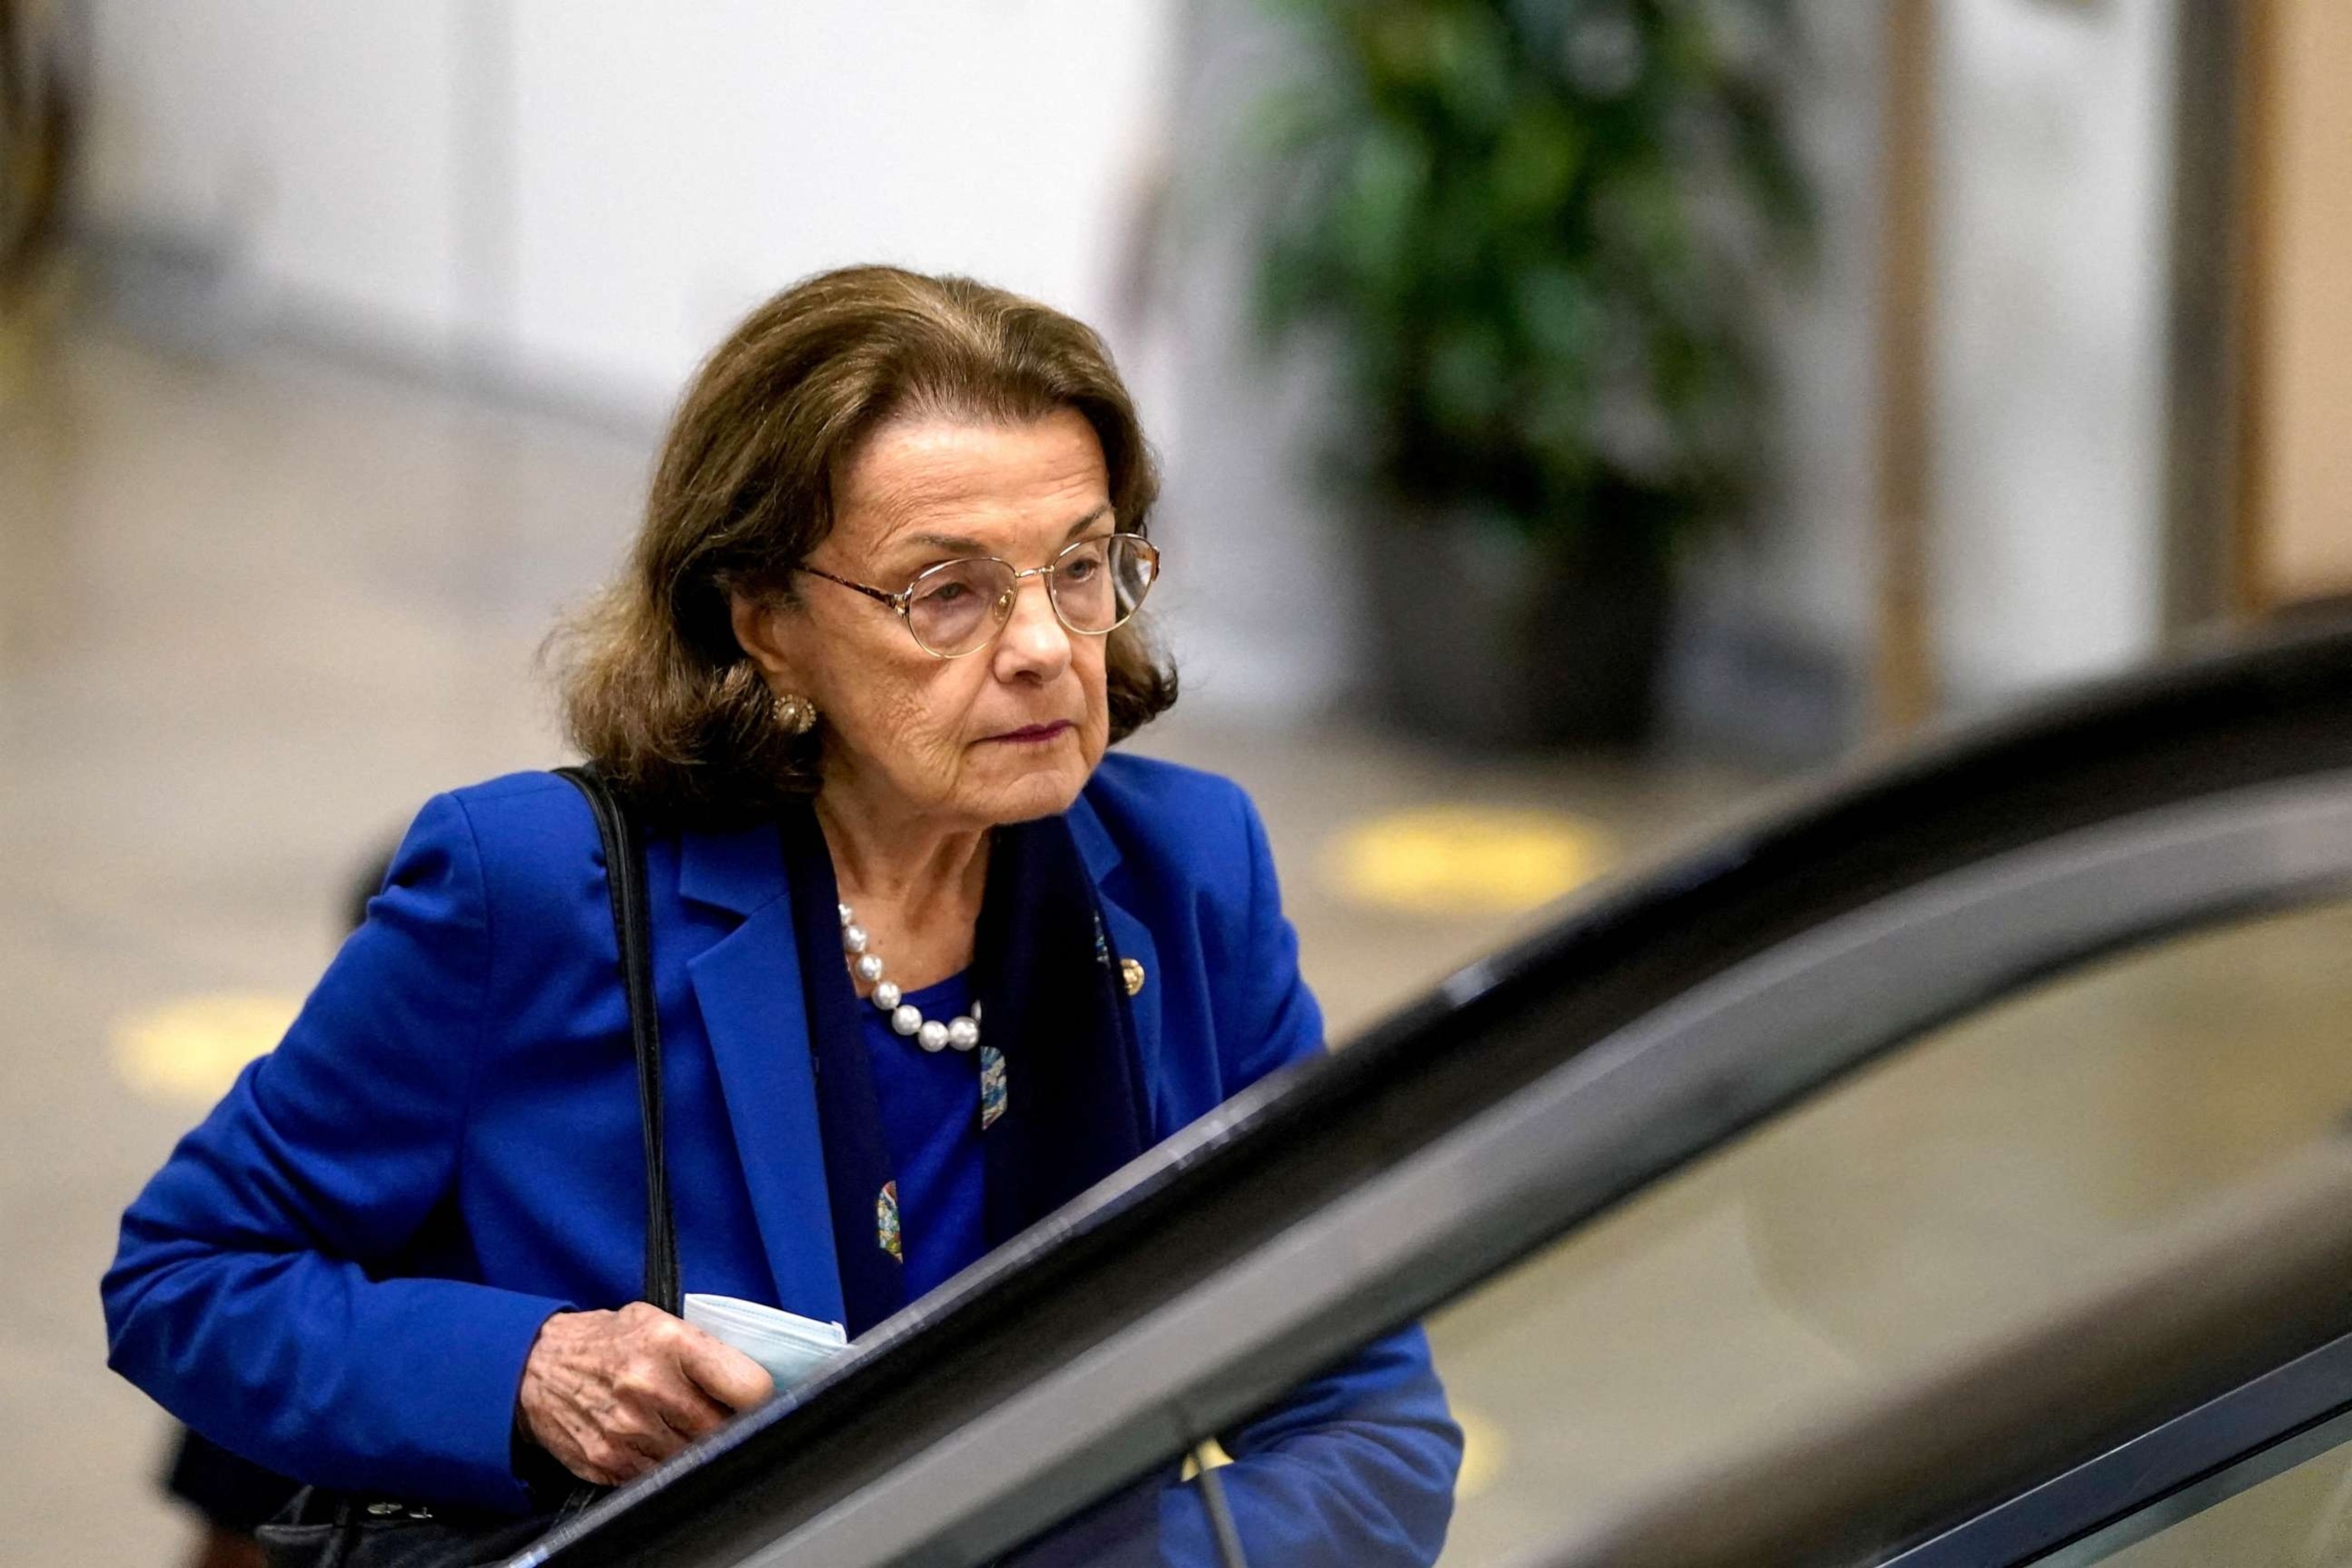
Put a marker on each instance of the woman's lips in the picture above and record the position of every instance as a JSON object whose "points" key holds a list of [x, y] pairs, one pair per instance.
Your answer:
{"points": [[1035, 734]]}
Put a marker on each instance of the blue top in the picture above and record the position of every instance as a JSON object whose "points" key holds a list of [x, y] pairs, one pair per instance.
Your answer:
{"points": [[341, 1272], [930, 1123]]}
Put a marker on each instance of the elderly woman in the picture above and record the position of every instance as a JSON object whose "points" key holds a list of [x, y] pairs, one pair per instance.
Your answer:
{"points": [[928, 964]]}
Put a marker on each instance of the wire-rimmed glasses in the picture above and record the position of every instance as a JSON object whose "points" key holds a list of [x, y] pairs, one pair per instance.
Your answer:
{"points": [[958, 606]]}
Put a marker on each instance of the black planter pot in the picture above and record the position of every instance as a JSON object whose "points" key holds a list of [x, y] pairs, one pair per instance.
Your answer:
{"points": [[1484, 637]]}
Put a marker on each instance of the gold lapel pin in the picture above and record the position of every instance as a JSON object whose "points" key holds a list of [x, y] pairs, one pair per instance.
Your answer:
{"points": [[1131, 970]]}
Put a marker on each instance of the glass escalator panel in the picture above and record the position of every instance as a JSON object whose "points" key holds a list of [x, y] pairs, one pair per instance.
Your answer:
{"points": [[1955, 1194], [2289, 1506]]}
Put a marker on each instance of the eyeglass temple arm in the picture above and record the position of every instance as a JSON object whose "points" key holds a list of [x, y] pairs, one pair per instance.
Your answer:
{"points": [[894, 600]]}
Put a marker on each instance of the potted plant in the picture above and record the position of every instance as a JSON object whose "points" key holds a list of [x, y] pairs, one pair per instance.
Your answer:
{"points": [[1539, 232]]}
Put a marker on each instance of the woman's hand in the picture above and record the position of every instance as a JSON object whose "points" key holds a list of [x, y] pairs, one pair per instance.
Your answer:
{"points": [[611, 1395]]}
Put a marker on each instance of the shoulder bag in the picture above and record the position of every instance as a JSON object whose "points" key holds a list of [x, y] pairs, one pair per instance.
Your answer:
{"points": [[323, 1529]]}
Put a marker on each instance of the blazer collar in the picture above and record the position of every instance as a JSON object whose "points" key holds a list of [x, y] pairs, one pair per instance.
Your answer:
{"points": [[1131, 940], [1096, 846], [741, 872]]}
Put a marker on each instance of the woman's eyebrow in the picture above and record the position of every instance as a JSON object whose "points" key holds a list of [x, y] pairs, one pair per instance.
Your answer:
{"points": [[960, 544], [1085, 522], [952, 543]]}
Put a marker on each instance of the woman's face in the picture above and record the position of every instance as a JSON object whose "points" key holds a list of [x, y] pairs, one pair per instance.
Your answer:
{"points": [[1007, 734]]}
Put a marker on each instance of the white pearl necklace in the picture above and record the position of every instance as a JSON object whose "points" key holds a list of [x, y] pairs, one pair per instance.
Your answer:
{"points": [[905, 1018]]}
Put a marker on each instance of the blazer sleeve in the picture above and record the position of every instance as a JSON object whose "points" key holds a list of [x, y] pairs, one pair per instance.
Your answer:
{"points": [[1354, 1467], [255, 1293]]}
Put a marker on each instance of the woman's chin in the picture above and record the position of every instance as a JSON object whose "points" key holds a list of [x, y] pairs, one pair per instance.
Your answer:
{"points": [[1046, 787]]}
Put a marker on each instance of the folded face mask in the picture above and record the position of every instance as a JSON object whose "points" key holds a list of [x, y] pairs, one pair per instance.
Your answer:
{"points": [[790, 1346]]}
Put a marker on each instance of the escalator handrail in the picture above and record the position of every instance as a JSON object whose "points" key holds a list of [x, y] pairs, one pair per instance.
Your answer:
{"points": [[1301, 1145]]}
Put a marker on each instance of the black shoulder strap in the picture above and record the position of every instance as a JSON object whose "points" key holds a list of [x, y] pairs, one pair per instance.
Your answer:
{"points": [[624, 874]]}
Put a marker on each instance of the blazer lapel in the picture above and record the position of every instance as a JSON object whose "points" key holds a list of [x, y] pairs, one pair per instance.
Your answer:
{"points": [[749, 989]]}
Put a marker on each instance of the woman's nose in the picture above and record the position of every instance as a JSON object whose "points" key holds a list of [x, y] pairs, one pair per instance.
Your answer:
{"points": [[1034, 641]]}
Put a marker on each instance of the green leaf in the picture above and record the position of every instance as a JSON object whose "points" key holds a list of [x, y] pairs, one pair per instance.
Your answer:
{"points": [[1546, 297], [1376, 215], [1467, 388], [1537, 160], [1555, 310]]}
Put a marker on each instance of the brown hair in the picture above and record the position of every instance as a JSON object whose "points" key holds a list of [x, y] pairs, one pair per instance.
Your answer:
{"points": [[655, 689]]}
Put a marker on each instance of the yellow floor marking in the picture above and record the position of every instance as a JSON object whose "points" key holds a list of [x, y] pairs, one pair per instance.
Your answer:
{"points": [[1466, 861], [193, 1048]]}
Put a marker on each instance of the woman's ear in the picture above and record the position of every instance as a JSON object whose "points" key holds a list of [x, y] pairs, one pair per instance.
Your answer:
{"points": [[757, 623]]}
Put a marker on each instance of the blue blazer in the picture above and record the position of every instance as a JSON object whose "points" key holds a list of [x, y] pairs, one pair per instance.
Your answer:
{"points": [[340, 1272]]}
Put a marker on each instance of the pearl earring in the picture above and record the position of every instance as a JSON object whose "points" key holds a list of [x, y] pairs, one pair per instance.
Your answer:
{"points": [[796, 715]]}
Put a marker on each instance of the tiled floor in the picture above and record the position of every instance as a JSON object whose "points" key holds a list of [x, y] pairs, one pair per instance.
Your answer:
{"points": [[252, 612]]}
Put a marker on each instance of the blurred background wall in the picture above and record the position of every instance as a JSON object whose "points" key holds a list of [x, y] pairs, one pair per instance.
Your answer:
{"points": [[570, 202], [2054, 164], [582, 198]]}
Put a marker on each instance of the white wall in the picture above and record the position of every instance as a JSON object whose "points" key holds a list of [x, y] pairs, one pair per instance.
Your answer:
{"points": [[580, 197], [2054, 141], [672, 174], [590, 190], [2053, 133], [1263, 605], [308, 143]]}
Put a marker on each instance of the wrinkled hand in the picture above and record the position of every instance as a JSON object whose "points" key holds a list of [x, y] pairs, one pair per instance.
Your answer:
{"points": [[611, 1395]]}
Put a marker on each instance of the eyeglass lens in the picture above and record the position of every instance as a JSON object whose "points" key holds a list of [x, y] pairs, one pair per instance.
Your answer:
{"points": [[1096, 585]]}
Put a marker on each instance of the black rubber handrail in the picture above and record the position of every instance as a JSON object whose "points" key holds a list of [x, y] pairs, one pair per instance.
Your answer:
{"points": [[2275, 712]]}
